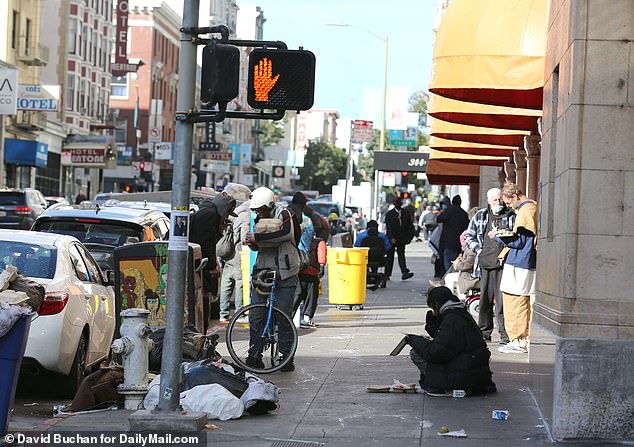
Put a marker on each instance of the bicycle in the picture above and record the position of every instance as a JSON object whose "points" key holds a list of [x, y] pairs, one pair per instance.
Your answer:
{"points": [[238, 335]]}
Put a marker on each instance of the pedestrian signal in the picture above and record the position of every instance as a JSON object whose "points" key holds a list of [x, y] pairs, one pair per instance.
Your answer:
{"points": [[281, 79], [220, 75]]}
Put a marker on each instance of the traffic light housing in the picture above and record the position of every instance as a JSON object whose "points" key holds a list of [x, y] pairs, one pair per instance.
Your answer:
{"points": [[281, 79], [220, 76]]}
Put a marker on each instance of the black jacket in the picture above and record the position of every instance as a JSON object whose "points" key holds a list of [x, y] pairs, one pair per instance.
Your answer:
{"points": [[455, 220], [457, 357], [402, 230]]}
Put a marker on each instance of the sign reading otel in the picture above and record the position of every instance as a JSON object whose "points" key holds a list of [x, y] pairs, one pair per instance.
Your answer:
{"points": [[84, 156], [38, 97]]}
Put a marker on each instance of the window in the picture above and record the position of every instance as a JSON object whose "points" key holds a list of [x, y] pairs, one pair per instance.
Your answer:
{"points": [[15, 32], [88, 50], [94, 101], [99, 56], [70, 92], [93, 270], [119, 86], [83, 49], [71, 44], [95, 42], [27, 37], [78, 264]]}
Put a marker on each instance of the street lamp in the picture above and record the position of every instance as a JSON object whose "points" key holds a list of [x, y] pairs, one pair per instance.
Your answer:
{"points": [[382, 139]]}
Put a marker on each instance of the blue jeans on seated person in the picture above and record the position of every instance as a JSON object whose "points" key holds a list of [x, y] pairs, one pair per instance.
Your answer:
{"points": [[284, 299]]}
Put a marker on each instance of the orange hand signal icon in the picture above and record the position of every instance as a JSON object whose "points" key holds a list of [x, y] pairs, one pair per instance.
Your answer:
{"points": [[263, 81]]}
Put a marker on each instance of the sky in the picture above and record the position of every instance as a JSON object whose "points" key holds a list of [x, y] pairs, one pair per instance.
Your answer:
{"points": [[350, 61]]}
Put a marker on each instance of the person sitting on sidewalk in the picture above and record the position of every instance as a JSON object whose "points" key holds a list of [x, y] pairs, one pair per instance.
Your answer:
{"points": [[457, 357], [461, 279]]}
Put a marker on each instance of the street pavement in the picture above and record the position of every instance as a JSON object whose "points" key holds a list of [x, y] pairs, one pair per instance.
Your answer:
{"points": [[325, 401]]}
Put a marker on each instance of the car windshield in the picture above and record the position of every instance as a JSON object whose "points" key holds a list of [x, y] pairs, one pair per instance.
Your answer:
{"points": [[11, 198], [37, 261], [92, 231], [324, 208]]}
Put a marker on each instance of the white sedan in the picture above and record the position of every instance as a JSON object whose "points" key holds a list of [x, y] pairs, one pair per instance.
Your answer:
{"points": [[74, 326]]}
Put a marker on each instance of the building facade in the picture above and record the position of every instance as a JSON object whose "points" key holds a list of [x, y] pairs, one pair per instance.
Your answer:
{"points": [[144, 102]]}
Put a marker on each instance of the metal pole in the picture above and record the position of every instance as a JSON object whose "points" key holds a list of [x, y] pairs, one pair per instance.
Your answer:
{"points": [[177, 259], [348, 170], [382, 141]]}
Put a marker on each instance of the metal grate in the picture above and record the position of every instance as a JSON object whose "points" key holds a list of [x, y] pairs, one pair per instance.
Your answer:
{"points": [[295, 443]]}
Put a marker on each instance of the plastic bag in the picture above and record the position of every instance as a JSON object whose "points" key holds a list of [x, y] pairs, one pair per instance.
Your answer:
{"points": [[261, 397], [151, 399], [214, 400], [34, 291]]}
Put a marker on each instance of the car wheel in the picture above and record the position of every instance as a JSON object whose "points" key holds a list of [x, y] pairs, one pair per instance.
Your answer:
{"points": [[78, 370]]}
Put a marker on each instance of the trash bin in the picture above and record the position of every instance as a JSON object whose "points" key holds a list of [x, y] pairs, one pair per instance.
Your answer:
{"points": [[245, 265], [347, 271], [12, 347]]}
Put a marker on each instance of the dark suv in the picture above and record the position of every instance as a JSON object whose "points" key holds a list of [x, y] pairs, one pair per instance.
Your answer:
{"points": [[102, 229], [20, 207]]}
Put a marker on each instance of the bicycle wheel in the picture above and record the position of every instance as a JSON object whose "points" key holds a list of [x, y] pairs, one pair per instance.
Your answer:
{"points": [[238, 339]]}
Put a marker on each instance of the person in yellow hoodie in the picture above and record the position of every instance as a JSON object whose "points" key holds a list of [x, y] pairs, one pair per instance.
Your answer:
{"points": [[518, 274]]}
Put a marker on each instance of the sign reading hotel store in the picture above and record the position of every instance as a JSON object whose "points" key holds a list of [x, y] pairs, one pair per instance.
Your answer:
{"points": [[94, 157]]}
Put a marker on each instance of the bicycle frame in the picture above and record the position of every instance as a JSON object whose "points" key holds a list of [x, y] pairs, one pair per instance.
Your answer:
{"points": [[270, 303]]}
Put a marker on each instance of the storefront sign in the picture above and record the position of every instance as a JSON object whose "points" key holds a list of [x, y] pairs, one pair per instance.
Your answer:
{"points": [[219, 166], [163, 151], [8, 91], [25, 152], [84, 156], [400, 161], [121, 53], [38, 97]]}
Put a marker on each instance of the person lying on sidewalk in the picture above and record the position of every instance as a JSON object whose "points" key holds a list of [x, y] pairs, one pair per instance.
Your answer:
{"points": [[457, 357]]}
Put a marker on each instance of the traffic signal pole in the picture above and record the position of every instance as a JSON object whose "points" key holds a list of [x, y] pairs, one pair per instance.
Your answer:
{"points": [[181, 184]]}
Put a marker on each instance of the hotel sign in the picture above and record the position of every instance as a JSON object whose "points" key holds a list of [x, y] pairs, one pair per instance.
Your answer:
{"points": [[84, 156], [44, 98]]}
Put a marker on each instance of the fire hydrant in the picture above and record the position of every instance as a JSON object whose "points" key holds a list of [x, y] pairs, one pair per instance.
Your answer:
{"points": [[134, 345]]}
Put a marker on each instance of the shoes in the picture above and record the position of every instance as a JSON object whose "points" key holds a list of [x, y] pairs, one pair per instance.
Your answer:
{"points": [[243, 320], [383, 284], [254, 362], [513, 347], [407, 275], [504, 341], [290, 366], [407, 270], [308, 324], [435, 282], [487, 337], [223, 319]]}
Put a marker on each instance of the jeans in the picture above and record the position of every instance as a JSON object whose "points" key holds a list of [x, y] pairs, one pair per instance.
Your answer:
{"points": [[230, 285], [489, 288], [448, 256], [284, 299], [307, 294]]}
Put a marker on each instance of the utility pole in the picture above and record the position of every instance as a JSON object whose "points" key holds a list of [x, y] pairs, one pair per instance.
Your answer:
{"points": [[168, 415]]}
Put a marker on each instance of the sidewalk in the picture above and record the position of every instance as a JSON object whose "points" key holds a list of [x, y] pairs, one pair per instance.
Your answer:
{"points": [[325, 399]]}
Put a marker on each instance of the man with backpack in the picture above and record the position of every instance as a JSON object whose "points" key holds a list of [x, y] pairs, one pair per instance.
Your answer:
{"points": [[313, 253]]}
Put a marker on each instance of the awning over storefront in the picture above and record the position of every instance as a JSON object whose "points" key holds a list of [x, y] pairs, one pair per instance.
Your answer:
{"points": [[464, 147], [441, 172], [482, 115], [456, 157], [25, 152], [492, 52], [475, 134]]}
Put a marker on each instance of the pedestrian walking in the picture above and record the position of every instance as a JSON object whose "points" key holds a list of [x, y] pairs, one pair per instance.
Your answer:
{"points": [[81, 196], [307, 292], [276, 246], [518, 273], [455, 221], [427, 222], [488, 264], [400, 231], [456, 357]]}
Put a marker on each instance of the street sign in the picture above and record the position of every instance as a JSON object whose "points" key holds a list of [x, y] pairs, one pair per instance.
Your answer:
{"points": [[219, 166], [281, 79], [163, 151], [8, 91], [406, 137], [361, 131], [278, 171], [209, 146], [155, 135]]}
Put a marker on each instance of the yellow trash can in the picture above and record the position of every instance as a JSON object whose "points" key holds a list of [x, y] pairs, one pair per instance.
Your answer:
{"points": [[347, 271], [245, 266]]}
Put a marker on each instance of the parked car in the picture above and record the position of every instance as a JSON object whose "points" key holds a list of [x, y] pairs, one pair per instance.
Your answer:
{"points": [[56, 201], [73, 328], [20, 207], [101, 229], [325, 208]]}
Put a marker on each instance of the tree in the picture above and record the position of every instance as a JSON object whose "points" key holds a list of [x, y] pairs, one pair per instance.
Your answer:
{"points": [[418, 103], [324, 164], [272, 132]]}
